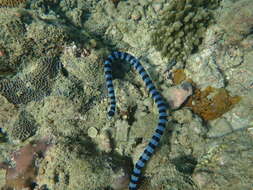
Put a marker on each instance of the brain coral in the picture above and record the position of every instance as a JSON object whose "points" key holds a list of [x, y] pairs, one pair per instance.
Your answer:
{"points": [[24, 127], [35, 85], [181, 27]]}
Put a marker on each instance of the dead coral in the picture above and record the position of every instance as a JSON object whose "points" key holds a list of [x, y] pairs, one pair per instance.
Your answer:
{"points": [[177, 95], [212, 102], [23, 174]]}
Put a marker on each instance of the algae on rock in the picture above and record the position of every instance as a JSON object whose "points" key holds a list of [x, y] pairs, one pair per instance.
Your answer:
{"points": [[236, 19]]}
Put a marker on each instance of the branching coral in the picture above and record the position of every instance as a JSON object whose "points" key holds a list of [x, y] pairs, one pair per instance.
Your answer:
{"points": [[181, 28]]}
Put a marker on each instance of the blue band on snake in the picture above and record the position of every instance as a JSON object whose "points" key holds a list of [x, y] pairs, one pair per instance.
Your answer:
{"points": [[150, 148]]}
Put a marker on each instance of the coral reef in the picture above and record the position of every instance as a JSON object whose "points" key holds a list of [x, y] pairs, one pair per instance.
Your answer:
{"points": [[75, 164], [240, 73], [181, 28], [30, 63], [52, 83], [203, 70], [32, 86], [237, 27], [12, 30], [23, 173], [214, 167], [209, 103], [24, 127], [8, 113], [238, 119], [24, 38], [11, 3]]}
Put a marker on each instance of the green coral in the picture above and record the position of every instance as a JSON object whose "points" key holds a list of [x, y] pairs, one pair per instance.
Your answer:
{"points": [[181, 27]]}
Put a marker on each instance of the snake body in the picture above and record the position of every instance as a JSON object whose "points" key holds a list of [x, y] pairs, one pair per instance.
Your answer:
{"points": [[149, 150]]}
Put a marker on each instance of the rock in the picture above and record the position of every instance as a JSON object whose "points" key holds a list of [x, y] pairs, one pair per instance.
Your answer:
{"points": [[177, 95], [92, 132], [104, 141], [219, 128], [203, 70]]}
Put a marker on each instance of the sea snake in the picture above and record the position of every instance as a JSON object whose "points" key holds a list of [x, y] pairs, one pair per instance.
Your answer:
{"points": [[149, 150]]}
